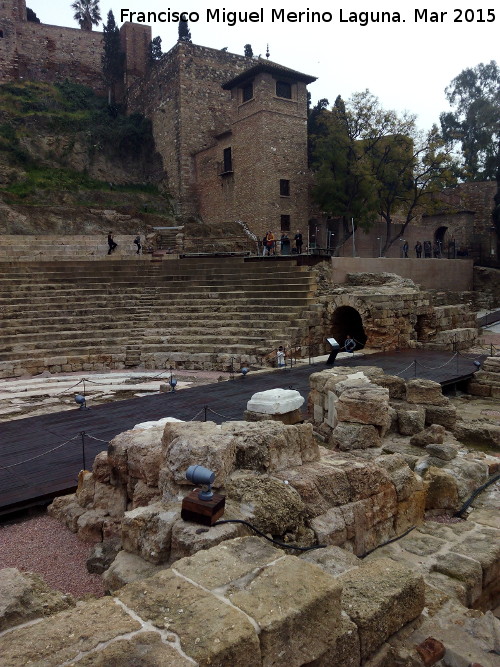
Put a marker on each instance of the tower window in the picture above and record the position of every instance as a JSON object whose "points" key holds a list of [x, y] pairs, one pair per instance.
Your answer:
{"points": [[227, 160], [284, 187], [284, 89], [285, 223], [247, 92]]}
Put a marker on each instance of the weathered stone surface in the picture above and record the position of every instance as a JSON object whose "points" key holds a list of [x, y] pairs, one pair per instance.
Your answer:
{"points": [[267, 502], [347, 436], [143, 446], [288, 418], [395, 385], [145, 649], [469, 475], [465, 570], [446, 451], [425, 391], [147, 531], [364, 405], [275, 401], [404, 479], [210, 631], [127, 568], [381, 597], [66, 509], [189, 538], [445, 415], [333, 560], [330, 527], [478, 433], [102, 555], [218, 567], [410, 512], [112, 499], [25, 596], [442, 491], [435, 433], [89, 525], [85, 489], [297, 608], [199, 443], [345, 652], [144, 495], [101, 468], [411, 419], [60, 638]]}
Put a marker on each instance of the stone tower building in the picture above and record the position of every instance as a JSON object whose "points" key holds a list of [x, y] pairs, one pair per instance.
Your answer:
{"points": [[233, 135]]}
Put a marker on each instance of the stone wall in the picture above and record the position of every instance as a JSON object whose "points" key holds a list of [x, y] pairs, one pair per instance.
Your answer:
{"points": [[428, 273]]}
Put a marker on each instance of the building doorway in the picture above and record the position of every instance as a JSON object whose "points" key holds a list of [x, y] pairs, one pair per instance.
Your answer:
{"points": [[347, 320]]}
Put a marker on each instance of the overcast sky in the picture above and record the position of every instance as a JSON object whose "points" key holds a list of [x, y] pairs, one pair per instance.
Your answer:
{"points": [[407, 64]]}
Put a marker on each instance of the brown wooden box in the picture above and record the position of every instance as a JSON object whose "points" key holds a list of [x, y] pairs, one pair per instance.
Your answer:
{"points": [[205, 512]]}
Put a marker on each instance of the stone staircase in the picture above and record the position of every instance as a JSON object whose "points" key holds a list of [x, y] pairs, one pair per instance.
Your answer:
{"points": [[195, 313]]}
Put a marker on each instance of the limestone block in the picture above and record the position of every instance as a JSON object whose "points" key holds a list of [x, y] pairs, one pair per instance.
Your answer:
{"points": [[230, 561], [144, 495], [85, 489], [200, 443], [156, 423], [269, 503], [275, 401], [318, 413], [411, 421], [445, 415], [90, 524], [62, 637], [271, 446], [492, 364], [144, 648], [297, 608], [381, 597], [435, 433], [55, 361], [333, 560], [477, 389], [288, 418], [365, 405], [25, 596], [441, 490], [66, 509], [147, 531], [127, 568], [345, 652], [365, 479], [330, 527], [446, 451], [100, 467], [113, 499], [468, 474], [419, 390], [484, 546], [321, 485], [347, 436], [395, 385], [477, 433], [466, 570], [102, 555], [405, 481], [210, 631], [410, 512], [331, 400], [188, 538]]}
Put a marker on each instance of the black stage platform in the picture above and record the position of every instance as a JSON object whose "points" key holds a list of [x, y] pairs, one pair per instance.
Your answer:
{"points": [[41, 456]]}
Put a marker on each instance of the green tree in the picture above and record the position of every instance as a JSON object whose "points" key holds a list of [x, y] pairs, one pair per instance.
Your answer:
{"points": [[156, 52], [184, 32], [248, 51], [474, 123], [373, 163], [113, 58], [87, 13]]}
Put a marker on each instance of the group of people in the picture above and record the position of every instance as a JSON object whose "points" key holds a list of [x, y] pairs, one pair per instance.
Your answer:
{"points": [[113, 245], [269, 243], [428, 249]]}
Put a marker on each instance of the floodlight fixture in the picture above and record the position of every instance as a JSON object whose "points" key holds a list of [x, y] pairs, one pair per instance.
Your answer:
{"points": [[81, 401]]}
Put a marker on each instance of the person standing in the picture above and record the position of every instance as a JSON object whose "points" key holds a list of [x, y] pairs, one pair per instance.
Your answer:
{"points": [[285, 244], [405, 249], [298, 241], [137, 242], [112, 245], [280, 357], [349, 344], [427, 249], [418, 249], [271, 243]]}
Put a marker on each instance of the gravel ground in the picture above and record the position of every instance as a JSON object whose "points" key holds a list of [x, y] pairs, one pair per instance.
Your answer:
{"points": [[43, 545]]}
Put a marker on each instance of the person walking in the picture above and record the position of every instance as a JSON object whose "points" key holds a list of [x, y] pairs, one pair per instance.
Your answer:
{"points": [[418, 249], [112, 245], [137, 242], [298, 241]]}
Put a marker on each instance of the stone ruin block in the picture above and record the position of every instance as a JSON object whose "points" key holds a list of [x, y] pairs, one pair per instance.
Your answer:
{"points": [[425, 391], [347, 436], [364, 405], [147, 531], [411, 419]]}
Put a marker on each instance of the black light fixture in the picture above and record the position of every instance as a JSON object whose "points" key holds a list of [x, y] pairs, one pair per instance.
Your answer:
{"points": [[244, 371], [81, 401]]}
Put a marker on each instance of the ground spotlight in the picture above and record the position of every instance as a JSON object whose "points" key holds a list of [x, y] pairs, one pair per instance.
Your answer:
{"points": [[244, 371], [477, 364], [172, 382], [81, 401]]}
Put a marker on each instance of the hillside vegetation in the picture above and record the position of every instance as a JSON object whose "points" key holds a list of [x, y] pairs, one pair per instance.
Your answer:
{"points": [[65, 155]]}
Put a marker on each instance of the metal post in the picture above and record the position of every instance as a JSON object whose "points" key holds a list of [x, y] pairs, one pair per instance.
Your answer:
{"points": [[205, 408], [82, 433], [414, 368], [353, 239]]}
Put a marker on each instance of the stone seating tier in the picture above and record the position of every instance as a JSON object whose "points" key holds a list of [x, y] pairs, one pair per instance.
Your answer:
{"points": [[67, 316]]}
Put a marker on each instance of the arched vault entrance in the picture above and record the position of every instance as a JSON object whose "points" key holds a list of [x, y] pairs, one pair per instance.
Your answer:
{"points": [[347, 320]]}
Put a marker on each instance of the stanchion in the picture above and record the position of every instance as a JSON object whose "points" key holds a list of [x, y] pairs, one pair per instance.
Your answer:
{"points": [[82, 433]]}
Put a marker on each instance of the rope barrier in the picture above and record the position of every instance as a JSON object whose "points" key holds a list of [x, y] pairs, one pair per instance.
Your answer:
{"points": [[435, 368], [38, 456], [98, 439]]}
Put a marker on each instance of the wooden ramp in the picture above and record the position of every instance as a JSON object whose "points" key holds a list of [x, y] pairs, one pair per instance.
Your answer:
{"points": [[41, 456]]}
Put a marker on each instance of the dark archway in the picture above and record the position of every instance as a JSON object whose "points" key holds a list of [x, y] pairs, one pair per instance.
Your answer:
{"points": [[439, 234], [347, 320]]}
